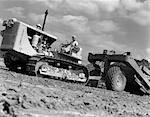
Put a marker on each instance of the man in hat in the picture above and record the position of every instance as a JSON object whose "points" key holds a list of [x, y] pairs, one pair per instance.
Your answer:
{"points": [[74, 42], [75, 50]]}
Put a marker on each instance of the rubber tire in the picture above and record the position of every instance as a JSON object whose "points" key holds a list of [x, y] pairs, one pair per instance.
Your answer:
{"points": [[37, 67], [116, 79]]}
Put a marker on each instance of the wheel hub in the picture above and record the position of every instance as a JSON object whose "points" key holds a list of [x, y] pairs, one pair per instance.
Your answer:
{"points": [[44, 68], [118, 81]]}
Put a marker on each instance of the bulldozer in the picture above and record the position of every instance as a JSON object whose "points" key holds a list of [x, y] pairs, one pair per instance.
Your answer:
{"points": [[120, 72], [28, 49]]}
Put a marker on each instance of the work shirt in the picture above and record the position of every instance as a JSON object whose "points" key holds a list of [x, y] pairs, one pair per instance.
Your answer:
{"points": [[75, 43]]}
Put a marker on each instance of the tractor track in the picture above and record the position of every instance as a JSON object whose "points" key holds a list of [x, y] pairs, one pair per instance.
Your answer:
{"points": [[29, 96]]}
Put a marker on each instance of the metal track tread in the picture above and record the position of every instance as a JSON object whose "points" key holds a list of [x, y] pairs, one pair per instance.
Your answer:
{"points": [[30, 68]]}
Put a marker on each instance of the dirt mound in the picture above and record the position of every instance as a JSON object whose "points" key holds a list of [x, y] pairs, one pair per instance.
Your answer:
{"points": [[26, 96]]}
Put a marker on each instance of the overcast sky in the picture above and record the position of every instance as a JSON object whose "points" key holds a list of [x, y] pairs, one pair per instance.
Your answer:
{"points": [[121, 25]]}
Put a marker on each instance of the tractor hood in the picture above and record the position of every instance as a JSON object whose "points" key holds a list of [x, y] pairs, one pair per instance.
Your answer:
{"points": [[50, 38]]}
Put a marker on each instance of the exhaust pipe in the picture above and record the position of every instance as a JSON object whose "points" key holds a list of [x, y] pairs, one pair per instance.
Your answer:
{"points": [[46, 13]]}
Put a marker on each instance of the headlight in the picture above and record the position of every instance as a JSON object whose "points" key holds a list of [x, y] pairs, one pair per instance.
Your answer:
{"points": [[10, 22]]}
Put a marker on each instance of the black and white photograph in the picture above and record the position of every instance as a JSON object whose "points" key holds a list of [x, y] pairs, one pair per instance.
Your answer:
{"points": [[74, 58]]}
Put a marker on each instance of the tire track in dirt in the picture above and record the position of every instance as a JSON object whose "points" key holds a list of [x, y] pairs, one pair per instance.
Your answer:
{"points": [[23, 96]]}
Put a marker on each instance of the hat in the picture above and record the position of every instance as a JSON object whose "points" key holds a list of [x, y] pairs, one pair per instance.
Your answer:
{"points": [[73, 37], [39, 26]]}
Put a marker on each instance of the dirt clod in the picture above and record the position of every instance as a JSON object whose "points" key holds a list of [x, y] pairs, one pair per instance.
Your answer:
{"points": [[26, 96]]}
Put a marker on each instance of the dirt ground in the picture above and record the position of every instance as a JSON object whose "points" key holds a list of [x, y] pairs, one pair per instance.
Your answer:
{"points": [[28, 96]]}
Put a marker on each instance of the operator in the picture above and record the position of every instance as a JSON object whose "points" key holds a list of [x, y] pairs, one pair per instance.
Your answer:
{"points": [[74, 44], [74, 41], [75, 50], [69, 46]]}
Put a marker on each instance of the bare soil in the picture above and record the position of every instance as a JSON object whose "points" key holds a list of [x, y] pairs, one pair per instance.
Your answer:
{"points": [[28, 96]]}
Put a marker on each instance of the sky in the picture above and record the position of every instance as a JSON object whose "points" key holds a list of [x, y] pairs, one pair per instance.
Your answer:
{"points": [[120, 25]]}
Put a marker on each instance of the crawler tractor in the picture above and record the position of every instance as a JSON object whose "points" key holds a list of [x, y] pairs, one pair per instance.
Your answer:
{"points": [[120, 71], [28, 49]]}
